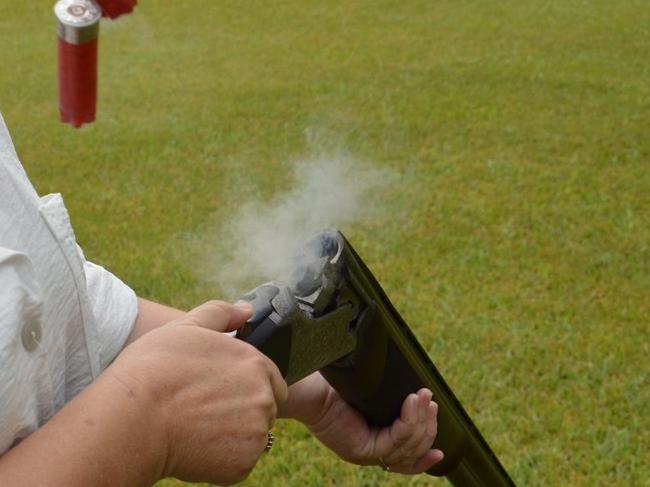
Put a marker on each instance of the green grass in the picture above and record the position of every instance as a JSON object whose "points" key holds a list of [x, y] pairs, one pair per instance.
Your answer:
{"points": [[515, 241]]}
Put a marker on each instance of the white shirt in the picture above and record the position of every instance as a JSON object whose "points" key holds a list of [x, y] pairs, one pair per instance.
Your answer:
{"points": [[62, 318]]}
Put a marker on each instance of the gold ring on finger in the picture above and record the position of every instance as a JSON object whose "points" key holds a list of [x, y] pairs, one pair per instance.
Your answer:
{"points": [[269, 441]]}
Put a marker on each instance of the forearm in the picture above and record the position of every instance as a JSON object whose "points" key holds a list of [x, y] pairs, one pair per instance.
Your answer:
{"points": [[151, 316], [105, 436]]}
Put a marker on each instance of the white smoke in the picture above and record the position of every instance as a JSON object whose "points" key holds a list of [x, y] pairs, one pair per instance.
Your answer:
{"points": [[259, 242]]}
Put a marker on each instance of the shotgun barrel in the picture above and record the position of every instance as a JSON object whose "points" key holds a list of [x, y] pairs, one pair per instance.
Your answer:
{"points": [[334, 317]]}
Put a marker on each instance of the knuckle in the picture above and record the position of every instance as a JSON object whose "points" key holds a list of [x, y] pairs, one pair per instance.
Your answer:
{"points": [[253, 361], [192, 320], [261, 364], [259, 360], [265, 402], [400, 438], [268, 406], [250, 354], [215, 305]]}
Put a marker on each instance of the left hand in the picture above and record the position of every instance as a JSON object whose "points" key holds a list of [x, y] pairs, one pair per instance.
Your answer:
{"points": [[404, 446]]}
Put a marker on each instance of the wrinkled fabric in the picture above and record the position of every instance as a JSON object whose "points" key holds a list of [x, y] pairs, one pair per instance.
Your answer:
{"points": [[84, 313]]}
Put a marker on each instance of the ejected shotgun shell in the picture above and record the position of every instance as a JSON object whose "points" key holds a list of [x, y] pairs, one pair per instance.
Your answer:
{"points": [[116, 8], [77, 29]]}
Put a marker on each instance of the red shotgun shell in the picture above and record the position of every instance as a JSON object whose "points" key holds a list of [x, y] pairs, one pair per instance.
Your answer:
{"points": [[115, 8], [77, 31]]}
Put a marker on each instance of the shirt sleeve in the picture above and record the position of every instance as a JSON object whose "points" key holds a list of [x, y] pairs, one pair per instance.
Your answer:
{"points": [[24, 382], [115, 308]]}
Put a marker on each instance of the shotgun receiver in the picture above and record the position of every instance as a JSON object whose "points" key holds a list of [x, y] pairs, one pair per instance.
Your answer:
{"points": [[335, 318]]}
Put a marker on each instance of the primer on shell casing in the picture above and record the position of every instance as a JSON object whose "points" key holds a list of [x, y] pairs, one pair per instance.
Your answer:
{"points": [[77, 20]]}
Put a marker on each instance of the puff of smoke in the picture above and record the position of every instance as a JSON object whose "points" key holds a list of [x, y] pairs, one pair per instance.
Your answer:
{"points": [[261, 241]]}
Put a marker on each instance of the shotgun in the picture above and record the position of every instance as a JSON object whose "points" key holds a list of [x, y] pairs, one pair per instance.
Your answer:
{"points": [[331, 315]]}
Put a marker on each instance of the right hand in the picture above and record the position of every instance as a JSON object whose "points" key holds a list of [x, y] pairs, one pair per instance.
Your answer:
{"points": [[214, 397]]}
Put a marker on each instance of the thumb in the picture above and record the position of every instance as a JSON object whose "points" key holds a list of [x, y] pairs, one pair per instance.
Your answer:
{"points": [[218, 316]]}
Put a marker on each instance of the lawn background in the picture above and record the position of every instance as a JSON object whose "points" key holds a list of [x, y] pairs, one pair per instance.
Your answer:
{"points": [[515, 241]]}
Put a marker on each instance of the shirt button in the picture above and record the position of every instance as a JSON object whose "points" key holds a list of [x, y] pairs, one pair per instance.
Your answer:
{"points": [[32, 333]]}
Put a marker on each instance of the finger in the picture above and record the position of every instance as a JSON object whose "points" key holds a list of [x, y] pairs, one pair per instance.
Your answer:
{"points": [[409, 412], [430, 458], [432, 420], [218, 316], [421, 457], [390, 439], [280, 388], [424, 398], [411, 449], [427, 434], [410, 433], [430, 430], [278, 384], [426, 461]]}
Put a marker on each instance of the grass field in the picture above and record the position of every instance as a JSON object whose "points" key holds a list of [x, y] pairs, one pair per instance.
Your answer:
{"points": [[515, 240]]}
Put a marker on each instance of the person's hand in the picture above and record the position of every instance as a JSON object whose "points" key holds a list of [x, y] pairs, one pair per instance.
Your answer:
{"points": [[115, 8], [214, 398], [403, 447]]}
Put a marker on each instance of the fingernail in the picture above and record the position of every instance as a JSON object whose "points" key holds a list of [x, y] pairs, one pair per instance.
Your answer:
{"points": [[433, 407], [411, 400], [245, 305]]}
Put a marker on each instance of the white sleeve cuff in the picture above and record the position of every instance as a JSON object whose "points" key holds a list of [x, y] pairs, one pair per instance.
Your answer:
{"points": [[115, 307]]}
